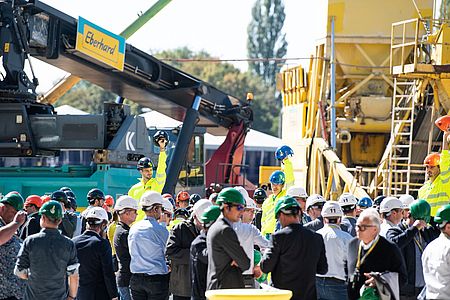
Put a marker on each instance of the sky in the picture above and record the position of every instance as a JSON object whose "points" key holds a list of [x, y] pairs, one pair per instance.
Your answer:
{"points": [[216, 26]]}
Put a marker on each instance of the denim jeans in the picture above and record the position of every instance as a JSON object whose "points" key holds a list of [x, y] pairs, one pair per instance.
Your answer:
{"points": [[149, 287], [331, 289], [124, 292]]}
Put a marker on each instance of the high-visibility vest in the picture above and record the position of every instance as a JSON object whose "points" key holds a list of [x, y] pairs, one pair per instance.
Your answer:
{"points": [[111, 231], [155, 184], [437, 193]]}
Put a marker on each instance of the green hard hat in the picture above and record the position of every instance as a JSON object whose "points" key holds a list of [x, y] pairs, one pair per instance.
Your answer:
{"points": [[13, 199], [443, 214], [286, 204], [211, 214], [420, 210], [52, 209], [256, 256], [230, 195]]}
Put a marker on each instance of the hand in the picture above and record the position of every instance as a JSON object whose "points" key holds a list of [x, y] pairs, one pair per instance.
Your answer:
{"points": [[115, 298], [370, 282], [20, 217], [419, 224], [162, 144], [234, 264], [257, 272]]}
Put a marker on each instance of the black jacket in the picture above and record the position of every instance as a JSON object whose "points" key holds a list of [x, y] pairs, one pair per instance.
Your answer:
{"points": [[68, 224], [294, 258], [403, 236], [385, 256], [224, 247], [199, 267], [178, 252], [122, 254], [257, 219], [97, 280], [31, 226]]}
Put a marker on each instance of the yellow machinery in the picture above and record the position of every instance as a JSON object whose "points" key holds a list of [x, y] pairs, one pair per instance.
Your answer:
{"points": [[371, 106]]}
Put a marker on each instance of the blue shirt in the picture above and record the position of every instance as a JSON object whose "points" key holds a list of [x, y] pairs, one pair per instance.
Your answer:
{"points": [[147, 243]]}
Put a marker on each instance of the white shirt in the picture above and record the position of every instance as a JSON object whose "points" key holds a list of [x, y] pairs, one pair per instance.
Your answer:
{"points": [[436, 268], [249, 236], [336, 246], [385, 226]]}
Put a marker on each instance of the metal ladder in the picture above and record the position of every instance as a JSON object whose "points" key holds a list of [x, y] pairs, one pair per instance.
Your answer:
{"points": [[402, 123]]}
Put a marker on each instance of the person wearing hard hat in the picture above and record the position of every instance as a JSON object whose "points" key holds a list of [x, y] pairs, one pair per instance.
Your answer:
{"points": [[412, 236], [436, 190], [299, 194], [95, 198], [69, 220], [435, 259], [370, 252], [182, 199], [226, 257], [249, 236], [97, 279], [199, 254], [348, 204], [314, 205], [32, 205], [363, 203], [73, 209], [391, 210], [294, 248], [47, 258], [12, 217], [167, 214], [178, 249], [259, 196], [332, 285], [126, 210], [147, 241], [406, 200]]}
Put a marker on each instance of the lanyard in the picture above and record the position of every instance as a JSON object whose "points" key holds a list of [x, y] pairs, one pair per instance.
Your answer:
{"points": [[419, 242], [360, 260]]}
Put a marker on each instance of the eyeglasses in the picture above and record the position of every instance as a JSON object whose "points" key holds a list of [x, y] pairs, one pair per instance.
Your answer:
{"points": [[239, 207], [363, 227]]}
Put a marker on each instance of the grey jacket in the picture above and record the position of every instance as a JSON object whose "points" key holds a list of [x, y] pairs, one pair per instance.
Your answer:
{"points": [[314, 225], [223, 248]]}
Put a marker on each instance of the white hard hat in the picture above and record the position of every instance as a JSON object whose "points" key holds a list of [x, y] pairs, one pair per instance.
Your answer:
{"points": [[200, 207], [406, 200], [151, 198], [332, 209], [313, 200], [125, 202], [249, 202], [167, 205], [390, 203], [347, 199], [297, 191], [97, 213]]}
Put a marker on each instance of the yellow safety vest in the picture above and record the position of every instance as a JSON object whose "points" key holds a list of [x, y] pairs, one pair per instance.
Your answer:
{"points": [[437, 193], [111, 231], [155, 184]]}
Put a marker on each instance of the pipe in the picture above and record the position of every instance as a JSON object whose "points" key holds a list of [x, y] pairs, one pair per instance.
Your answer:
{"points": [[333, 89], [184, 139]]}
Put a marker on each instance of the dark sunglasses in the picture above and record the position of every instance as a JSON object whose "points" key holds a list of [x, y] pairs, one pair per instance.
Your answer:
{"points": [[239, 207], [364, 227]]}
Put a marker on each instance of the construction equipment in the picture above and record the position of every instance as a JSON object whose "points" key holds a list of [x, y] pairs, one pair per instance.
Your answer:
{"points": [[31, 128], [358, 129]]}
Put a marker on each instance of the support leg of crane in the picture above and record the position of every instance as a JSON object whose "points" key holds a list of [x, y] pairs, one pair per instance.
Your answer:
{"points": [[184, 138]]}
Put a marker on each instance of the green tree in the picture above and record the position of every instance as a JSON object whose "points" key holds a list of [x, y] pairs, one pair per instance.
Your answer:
{"points": [[266, 39], [231, 80]]}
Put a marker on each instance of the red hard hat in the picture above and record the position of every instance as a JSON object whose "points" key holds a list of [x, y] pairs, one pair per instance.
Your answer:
{"points": [[33, 199], [182, 196], [109, 200], [443, 123], [432, 160], [167, 196], [45, 198]]}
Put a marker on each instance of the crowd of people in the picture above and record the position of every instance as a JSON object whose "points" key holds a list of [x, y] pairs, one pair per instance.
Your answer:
{"points": [[149, 245]]}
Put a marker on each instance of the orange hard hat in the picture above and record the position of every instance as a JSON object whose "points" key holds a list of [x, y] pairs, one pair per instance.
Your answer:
{"points": [[33, 199], [182, 196], [432, 160], [45, 198], [166, 196], [109, 200], [443, 123]]}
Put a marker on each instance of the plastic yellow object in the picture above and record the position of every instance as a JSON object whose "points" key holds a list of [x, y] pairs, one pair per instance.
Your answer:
{"points": [[248, 294]]}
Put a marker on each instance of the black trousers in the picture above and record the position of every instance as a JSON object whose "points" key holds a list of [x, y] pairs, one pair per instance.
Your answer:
{"points": [[149, 287]]}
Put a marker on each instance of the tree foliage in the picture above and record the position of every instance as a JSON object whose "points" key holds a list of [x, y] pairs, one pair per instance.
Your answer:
{"points": [[233, 81], [266, 39]]}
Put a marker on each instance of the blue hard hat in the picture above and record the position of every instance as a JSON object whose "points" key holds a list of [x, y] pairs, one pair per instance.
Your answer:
{"points": [[277, 177], [365, 202], [282, 152]]}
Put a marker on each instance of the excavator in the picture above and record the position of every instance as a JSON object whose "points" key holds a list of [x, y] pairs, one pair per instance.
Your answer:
{"points": [[30, 127]]}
